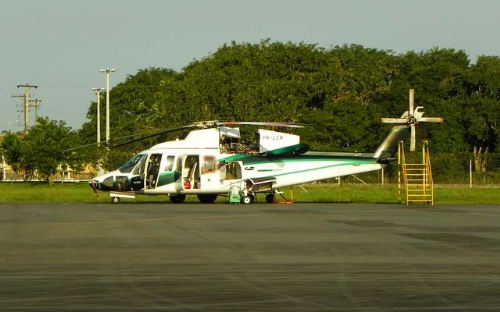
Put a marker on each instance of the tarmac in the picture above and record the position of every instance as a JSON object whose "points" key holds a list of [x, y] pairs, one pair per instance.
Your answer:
{"points": [[257, 257]]}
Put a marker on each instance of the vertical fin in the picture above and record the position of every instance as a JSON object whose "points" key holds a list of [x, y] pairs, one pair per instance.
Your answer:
{"points": [[389, 146]]}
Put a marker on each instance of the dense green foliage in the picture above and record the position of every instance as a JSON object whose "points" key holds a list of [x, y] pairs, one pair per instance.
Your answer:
{"points": [[342, 92], [41, 151]]}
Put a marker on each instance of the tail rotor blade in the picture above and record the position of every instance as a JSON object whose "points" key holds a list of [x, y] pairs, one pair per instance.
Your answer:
{"points": [[412, 100], [395, 120], [431, 119], [412, 139]]}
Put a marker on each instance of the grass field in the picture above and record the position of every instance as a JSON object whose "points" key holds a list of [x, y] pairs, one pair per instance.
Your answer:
{"points": [[320, 193]]}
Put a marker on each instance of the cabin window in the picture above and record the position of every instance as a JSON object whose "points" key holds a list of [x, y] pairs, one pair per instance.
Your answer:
{"points": [[233, 170], [209, 164], [169, 163]]}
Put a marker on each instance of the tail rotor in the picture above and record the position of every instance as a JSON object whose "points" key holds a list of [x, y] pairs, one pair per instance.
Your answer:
{"points": [[411, 118]]}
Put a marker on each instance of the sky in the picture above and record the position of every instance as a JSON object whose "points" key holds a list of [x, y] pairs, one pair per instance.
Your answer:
{"points": [[60, 45]]}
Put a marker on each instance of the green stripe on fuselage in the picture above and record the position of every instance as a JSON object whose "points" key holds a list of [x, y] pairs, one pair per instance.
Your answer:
{"points": [[296, 149], [168, 177], [255, 160]]}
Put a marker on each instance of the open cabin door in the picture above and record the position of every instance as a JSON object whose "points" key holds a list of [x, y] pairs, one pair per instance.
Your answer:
{"points": [[152, 170], [149, 171], [159, 171], [197, 172], [231, 171], [189, 166]]}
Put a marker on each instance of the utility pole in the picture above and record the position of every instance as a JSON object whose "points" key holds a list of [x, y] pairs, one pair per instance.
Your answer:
{"points": [[27, 88], [36, 105], [98, 93]]}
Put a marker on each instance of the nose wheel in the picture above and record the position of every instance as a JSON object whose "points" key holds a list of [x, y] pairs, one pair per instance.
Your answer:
{"points": [[248, 199], [115, 200]]}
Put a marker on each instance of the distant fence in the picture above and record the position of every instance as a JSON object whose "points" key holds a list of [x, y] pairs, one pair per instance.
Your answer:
{"points": [[9, 175]]}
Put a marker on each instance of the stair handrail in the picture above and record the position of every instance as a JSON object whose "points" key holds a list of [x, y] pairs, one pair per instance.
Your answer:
{"points": [[427, 161], [401, 168]]}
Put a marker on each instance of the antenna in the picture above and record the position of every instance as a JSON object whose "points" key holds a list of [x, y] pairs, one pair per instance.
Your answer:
{"points": [[411, 118]]}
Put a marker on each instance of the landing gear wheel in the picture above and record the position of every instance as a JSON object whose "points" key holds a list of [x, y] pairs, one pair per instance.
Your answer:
{"points": [[246, 199], [177, 199], [270, 198], [115, 200], [207, 198]]}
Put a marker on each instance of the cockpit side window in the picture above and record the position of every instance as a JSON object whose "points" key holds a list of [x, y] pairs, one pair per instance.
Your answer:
{"points": [[141, 167], [129, 165]]}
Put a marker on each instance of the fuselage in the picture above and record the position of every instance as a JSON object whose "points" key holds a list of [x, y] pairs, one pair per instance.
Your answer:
{"points": [[193, 171], [212, 161]]}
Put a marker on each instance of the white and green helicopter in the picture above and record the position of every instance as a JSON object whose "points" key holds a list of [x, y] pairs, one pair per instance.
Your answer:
{"points": [[213, 160]]}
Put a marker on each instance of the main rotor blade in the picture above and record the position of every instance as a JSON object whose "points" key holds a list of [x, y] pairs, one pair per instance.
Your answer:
{"points": [[260, 123], [83, 146], [154, 134], [203, 124], [143, 136]]}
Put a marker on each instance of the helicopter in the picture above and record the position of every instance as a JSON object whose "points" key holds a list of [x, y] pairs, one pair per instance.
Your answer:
{"points": [[214, 160]]}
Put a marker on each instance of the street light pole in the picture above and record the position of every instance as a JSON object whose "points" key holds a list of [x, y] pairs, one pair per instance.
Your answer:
{"points": [[98, 93], [107, 71]]}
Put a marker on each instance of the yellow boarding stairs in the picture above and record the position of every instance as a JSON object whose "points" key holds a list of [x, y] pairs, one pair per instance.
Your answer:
{"points": [[417, 178]]}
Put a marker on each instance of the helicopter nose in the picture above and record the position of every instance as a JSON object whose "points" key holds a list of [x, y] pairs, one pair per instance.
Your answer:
{"points": [[102, 183], [94, 185], [107, 184]]}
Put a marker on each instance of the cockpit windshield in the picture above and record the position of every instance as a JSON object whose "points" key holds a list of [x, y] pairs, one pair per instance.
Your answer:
{"points": [[129, 165]]}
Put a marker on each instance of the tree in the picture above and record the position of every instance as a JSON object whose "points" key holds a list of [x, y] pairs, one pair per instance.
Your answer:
{"points": [[12, 147], [254, 82], [43, 147], [342, 91]]}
